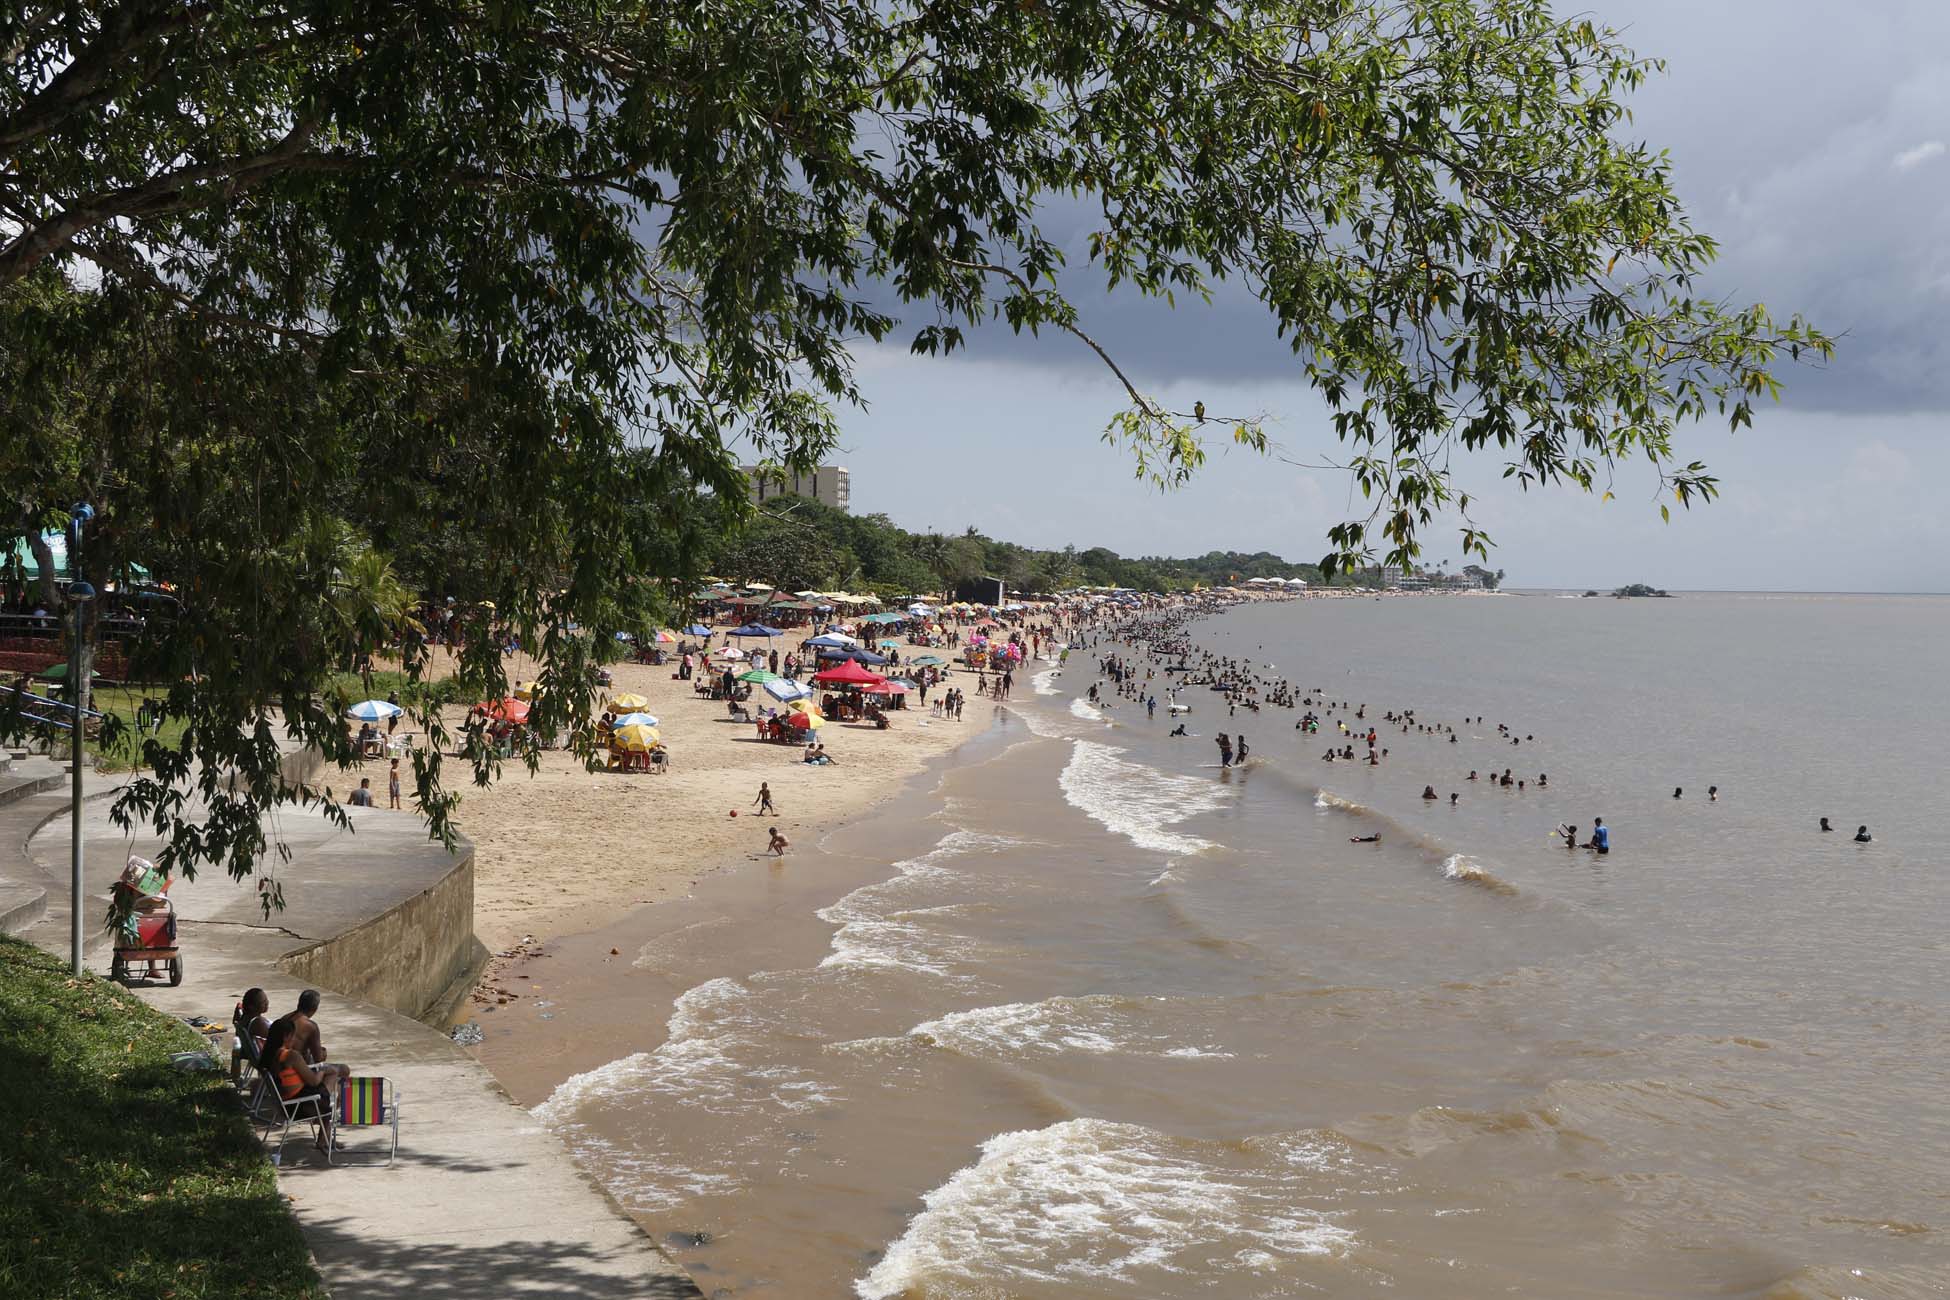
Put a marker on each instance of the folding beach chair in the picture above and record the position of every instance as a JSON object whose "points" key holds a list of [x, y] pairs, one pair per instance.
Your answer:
{"points": [[369, 1102], [309, 1106]]}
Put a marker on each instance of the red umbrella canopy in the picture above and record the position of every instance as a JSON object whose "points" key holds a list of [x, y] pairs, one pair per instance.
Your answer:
{"points": [[508, 710], [883, 688], [848, 673]]}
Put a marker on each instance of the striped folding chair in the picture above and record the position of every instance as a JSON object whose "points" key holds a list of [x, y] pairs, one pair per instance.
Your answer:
{"points": [[369, 1102]]}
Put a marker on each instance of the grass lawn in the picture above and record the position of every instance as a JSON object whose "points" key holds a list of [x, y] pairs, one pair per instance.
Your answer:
{"points": [[125, 702], [123, 1176]]}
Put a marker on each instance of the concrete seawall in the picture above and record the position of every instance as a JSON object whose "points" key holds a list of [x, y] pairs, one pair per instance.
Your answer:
{"points": [[416, 958]]}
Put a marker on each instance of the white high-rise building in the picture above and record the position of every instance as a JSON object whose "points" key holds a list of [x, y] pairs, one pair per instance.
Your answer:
{"points": [[827, 485]]}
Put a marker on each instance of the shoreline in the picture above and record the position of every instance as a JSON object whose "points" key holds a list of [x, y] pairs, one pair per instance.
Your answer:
{"points": [[564, 851], [588, 988]]}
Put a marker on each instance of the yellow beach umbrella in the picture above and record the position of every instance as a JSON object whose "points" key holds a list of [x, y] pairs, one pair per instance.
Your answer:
{"points": [[806, 720], [629, 703], [635, 738], [527, 691]]}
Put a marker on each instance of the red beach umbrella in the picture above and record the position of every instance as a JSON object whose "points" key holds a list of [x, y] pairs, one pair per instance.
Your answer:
{"points": [[508, 710]]}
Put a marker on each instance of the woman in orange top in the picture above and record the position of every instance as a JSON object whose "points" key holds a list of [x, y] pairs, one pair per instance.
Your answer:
{"points": [[297, 1077]]}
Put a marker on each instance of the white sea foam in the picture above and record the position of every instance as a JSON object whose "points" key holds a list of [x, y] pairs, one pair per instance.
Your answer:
{"points": [[1092, 1200], [1044, 683], [1082, 708], [1135, 800], [1461, 867], [697, 1065], [715, 1060], [1099, 1024], [882, 925]]}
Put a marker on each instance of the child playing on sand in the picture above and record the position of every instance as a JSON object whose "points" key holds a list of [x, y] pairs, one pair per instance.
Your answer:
{"points": [[779, 844], [764, 801]]}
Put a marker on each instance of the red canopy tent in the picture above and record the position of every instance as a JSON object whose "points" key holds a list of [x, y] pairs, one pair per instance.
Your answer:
{"points": [[882, 688], [848, 673]]}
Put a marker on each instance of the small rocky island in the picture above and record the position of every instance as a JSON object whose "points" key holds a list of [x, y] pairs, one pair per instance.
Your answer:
{"points": [[1636, 589]]}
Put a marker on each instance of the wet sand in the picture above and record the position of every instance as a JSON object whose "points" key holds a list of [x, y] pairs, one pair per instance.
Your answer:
{"points": [[579, 1000]]}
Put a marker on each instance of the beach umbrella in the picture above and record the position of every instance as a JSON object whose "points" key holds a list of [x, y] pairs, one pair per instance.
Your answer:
{"points": [[832, 640], [805, 719], [758, 676], [666, 638], [730, 652], [783, 690], [928, 661], [637, 720], [628, 703], [373, 711], [890, 644], [697, 629], [884, 688], [526, 691], [508, 710], [866, 657], [635, 739]]}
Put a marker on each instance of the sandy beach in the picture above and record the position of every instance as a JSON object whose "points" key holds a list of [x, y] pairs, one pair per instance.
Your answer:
{"points": [[566, 850]]}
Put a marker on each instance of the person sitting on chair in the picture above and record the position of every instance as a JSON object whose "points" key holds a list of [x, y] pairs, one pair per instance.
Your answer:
{"points": [[294, 1056]]}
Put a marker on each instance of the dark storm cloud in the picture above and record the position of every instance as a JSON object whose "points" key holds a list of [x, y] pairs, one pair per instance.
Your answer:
{"points": [[1813, 141]]}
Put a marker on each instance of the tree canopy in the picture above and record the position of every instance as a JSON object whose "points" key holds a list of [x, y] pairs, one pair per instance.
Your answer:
{"points": [[492, 289]]}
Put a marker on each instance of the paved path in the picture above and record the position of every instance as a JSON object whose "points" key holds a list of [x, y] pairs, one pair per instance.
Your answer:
{"points": [[483, 1202]]}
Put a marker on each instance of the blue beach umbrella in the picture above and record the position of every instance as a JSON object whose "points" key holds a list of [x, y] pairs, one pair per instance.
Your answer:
{"points": [[697, 629], [636, 720], [783, 690], [373, 711]]}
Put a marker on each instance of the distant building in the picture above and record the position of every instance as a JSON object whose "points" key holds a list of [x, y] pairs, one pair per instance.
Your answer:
{"points": [[828, 485]]}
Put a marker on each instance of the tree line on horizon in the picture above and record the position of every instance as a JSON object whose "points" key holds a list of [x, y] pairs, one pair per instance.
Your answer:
{"points": [[799, 544]]}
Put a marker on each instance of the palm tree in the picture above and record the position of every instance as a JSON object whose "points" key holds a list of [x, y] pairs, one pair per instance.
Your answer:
{"points": [[939, 556]]}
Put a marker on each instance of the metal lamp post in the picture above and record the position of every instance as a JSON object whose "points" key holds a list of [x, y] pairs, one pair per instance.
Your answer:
{"points": [[79, 594]]}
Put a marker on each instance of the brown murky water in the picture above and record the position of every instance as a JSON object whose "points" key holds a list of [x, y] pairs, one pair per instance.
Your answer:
{"points": [[1078, 1015]]}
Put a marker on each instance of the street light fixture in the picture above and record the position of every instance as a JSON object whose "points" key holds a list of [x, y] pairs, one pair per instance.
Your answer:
{"points": [[79, 594]]}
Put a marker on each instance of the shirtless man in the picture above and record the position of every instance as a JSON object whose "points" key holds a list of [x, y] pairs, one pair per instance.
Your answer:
{"points": [[304, 1033]]}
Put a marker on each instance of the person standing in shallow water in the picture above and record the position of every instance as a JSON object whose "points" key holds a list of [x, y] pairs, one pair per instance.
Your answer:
{"points": [[1224, 742]]}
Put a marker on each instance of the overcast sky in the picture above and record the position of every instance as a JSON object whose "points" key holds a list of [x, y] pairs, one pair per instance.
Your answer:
{"points": [[1809, 138]]}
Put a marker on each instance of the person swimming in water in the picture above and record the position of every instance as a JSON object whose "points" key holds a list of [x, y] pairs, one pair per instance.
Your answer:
{"points": [[1180, 731], [1570, 834], [1428, 792], [1600, 837], [1676, 792], [1365, 839], [1862, 835], [1453, 797], [1825, 826]]}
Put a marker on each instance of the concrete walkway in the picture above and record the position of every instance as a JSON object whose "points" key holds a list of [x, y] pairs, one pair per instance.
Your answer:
{"points": [[483, 1201]]}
